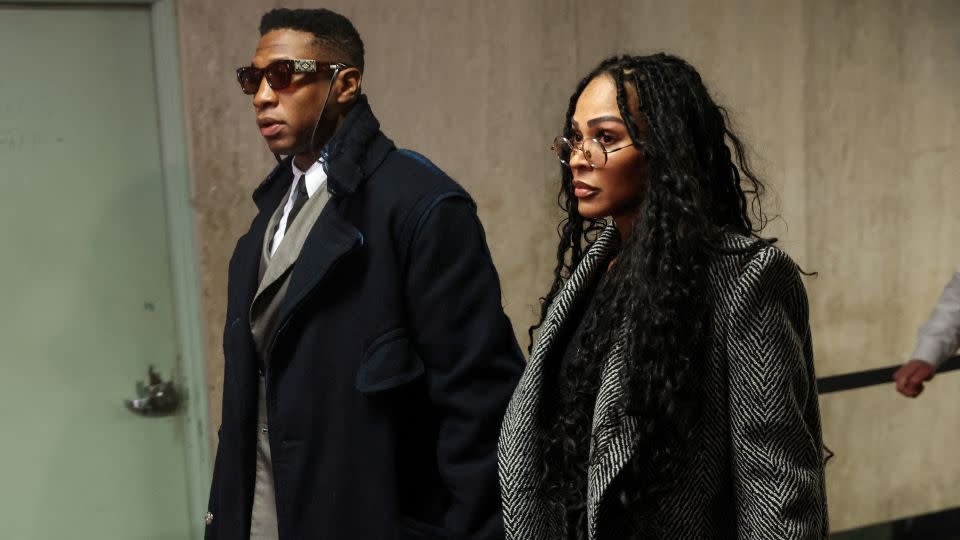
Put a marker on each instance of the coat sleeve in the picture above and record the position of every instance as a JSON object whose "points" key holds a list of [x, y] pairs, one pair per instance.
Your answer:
{"points": [[774, 412], [471, 356], [939, 337]]}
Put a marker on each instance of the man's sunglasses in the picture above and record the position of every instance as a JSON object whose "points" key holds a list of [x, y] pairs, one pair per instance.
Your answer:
{"points": [[279, 74]]}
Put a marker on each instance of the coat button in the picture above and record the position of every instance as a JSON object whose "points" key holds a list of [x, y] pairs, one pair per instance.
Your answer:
{"points": [[209, 518]]}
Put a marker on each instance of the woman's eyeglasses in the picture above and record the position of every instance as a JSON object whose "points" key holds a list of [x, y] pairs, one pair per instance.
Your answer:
{"points": [[593, 151], [279, 74]]}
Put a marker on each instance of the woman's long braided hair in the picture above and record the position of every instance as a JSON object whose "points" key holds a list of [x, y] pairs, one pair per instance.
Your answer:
{"points": [[699, 186]]}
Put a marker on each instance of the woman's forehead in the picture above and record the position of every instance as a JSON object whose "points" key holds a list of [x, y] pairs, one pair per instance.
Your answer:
{"points": [[598, 99]]}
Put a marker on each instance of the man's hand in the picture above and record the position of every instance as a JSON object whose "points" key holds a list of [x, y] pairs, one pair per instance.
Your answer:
{"points": [[911, 376]]}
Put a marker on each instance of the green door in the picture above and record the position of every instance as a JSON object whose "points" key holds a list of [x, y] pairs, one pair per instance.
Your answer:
{"points": [[85, 281]]}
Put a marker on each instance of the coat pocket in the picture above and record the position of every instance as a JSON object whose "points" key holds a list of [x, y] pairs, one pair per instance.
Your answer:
{"points": [[389, 362]]}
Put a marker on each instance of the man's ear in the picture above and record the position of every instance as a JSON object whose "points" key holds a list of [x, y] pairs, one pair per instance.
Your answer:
{"points": [[350, 79]]}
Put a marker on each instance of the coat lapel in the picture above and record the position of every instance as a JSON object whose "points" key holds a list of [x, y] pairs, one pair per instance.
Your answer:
{"points": [[331, 239], [287, 253], [614, 434], [355, 152], [519, 453], [245, 267]]}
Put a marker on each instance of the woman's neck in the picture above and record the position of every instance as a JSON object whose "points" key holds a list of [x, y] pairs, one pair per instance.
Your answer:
{"points": [[624, 224]]}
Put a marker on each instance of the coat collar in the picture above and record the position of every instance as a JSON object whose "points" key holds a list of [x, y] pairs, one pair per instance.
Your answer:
{"points": [[519, 441], [356, 150]]}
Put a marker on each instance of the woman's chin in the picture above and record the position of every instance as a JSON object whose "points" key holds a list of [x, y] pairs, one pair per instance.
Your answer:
{"points": [[591, 210]]}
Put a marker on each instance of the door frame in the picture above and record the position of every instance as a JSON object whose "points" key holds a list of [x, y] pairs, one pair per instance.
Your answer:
{"points": [[181, 234]]}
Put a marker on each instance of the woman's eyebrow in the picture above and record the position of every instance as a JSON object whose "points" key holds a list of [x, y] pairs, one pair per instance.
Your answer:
{"points": [[599, 119]]}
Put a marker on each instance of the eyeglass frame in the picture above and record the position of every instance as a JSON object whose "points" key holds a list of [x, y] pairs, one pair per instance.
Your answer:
{"points": [[579, 147], [299, 66]]}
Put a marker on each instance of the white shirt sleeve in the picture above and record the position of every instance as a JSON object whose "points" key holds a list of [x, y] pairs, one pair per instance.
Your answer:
{"points": [[939, 337]]}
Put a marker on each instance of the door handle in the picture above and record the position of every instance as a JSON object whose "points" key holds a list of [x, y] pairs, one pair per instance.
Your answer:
{"points": [[156, 398]]}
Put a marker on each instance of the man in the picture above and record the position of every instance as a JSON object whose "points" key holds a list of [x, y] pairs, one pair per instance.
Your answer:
{"points": [[368, 361], [938, 340]]}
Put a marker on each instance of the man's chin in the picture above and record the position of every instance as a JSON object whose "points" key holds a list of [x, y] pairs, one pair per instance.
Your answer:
{"points": [[279, 147], [285, 148]]}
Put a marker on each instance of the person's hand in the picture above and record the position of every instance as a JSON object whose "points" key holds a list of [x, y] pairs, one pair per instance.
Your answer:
{"points": [[911, 376]]}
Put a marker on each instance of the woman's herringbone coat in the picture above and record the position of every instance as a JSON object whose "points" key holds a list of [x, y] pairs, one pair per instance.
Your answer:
{"points": [[754, 469]]}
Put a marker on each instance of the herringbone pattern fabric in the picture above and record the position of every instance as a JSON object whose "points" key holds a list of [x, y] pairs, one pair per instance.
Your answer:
{"points": [[755, 468]]}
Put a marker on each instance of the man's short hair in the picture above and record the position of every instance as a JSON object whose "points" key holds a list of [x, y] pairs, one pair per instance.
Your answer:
{"points": [[331, 30]]}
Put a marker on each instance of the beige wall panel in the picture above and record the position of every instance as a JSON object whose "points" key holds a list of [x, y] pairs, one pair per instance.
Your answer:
{"points": [[882, 156], [895, 457]]}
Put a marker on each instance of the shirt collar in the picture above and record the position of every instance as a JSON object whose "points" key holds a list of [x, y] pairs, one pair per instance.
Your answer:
{"points": [[316, 176]]}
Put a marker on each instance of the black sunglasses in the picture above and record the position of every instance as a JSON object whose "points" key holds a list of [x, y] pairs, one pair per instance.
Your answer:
{"points": [[279, 74]]}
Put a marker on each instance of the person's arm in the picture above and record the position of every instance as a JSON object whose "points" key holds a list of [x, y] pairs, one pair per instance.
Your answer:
{"points": [[471, 356], [938, 338], [774, 412]]}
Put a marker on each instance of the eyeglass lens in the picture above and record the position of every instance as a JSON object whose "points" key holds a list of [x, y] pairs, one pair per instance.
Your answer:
{"points": [[279, 75], [592, 150]]}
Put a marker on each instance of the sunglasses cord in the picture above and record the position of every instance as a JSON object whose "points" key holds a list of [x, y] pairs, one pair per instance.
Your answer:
{"points": [[313, 134]]}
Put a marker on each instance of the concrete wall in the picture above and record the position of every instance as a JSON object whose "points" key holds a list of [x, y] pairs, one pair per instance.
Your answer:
{"points": [[850, 107]]}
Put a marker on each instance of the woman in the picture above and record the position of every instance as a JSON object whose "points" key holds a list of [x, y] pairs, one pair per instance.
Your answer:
{"points": [[671, 391]]}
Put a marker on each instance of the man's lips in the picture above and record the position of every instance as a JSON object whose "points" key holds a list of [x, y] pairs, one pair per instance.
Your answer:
{"points": [[269, 127], [582, 191]]}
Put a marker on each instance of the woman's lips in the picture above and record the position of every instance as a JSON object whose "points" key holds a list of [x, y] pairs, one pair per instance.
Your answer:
{"points": [[582, 191]]}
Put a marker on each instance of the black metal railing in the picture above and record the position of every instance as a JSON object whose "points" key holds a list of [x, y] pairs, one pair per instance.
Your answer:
{"points": [[871, 377]]}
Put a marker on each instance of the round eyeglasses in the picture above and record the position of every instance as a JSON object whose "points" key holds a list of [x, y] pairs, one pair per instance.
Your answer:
{"points": [[593, 151]]}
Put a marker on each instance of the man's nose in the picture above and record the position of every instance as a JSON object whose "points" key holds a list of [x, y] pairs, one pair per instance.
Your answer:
{"points": [[265, 95]]}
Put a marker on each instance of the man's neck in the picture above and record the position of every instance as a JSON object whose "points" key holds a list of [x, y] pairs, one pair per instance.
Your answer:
{"points": [[305, 161]]}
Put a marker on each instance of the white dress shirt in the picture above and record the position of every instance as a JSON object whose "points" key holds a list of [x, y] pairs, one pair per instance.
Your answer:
{"points": [[940, 336], [316, 177]]}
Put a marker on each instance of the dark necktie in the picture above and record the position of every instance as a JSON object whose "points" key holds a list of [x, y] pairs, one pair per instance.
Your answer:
{"points": [[300, 197]]}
